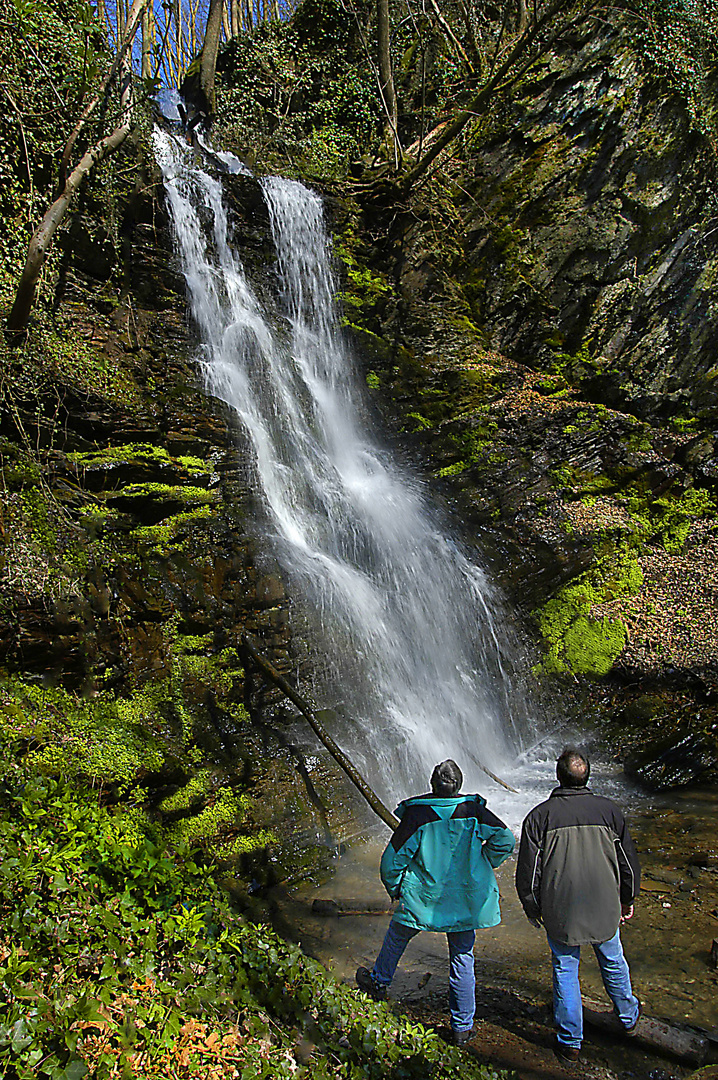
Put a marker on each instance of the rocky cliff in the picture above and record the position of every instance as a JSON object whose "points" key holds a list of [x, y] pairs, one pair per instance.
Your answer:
{"points": [[538, 320]]}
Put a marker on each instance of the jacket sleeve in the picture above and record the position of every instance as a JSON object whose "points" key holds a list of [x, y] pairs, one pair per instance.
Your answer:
{"points": [[529, 868], [498, 840], [398, 853], [628, 866]]}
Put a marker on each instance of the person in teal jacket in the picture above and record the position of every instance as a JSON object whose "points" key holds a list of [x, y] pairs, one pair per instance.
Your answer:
{"points": [[439, 865]]}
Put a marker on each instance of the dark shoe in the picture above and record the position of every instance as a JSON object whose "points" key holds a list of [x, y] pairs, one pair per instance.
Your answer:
{"points": [[566, 1053], [632, 1031], [460, 1038], [369, 986]]}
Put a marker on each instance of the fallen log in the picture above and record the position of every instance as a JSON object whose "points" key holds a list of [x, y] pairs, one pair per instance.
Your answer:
{"points": [[334, 909], [311, 714], [657, 1034]]}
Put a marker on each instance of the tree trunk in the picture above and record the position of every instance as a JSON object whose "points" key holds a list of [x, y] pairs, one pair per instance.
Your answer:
{"points": [[44, 234], [236, 23], [516, 64], [337, 753], [148, 40], [386, 77], [130, 29], [210, 48]]}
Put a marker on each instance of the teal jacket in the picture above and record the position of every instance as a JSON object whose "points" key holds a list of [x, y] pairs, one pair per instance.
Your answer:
{"points": [[440, 863]]}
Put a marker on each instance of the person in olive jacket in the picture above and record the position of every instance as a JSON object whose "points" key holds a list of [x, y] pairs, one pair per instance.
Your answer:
{"points": [[439, 865], [578, 874]]}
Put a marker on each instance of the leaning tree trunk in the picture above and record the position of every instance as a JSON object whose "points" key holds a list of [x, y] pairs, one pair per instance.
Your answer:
{"points": [[44, 234], [136, 14]]}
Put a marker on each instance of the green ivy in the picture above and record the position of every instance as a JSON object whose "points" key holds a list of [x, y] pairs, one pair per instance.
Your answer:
{"points": [[123, 957]]}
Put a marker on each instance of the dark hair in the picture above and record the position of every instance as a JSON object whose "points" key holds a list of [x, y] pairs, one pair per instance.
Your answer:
{"points": [[446, 778], [572, 768]]}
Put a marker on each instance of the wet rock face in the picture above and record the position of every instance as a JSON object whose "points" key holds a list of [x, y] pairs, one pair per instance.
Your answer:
{"points": [[592, 224], [151, 484], [550, 357]]}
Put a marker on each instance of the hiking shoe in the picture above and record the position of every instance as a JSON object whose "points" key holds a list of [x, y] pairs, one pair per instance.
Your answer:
{"points": [[369, 985], [460, 1038], [566, 1053], [633, 1029]]}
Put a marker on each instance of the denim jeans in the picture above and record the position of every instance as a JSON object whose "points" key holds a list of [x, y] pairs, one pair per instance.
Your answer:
{"points": [[567, 1007], [462, 981]]}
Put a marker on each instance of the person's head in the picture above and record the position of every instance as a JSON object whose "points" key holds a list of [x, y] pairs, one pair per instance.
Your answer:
{"points": [[572, 768], [446, 779]]}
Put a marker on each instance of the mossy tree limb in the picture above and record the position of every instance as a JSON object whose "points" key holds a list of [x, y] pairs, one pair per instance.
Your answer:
{"points": [[44, 234]]}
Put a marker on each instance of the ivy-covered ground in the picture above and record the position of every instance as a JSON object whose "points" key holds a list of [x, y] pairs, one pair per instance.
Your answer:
{"points": [[121, 956]]}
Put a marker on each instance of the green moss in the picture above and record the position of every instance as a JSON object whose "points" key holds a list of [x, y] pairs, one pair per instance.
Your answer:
{"points": [[476, 440], [364, 289], [421, 423], [452, 470], [228, 810], [19, 467], [133, 453], [54, 348], [192, 659], [193, 496], [372, 380], [198, 787], [574, 639], [668, 519], [242, 845], [109, 740], [573, 367], [172, 532], [591, 646]]}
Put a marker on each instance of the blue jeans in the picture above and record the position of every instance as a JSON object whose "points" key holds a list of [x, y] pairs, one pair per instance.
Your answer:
{"points": [[462, 981], [567, 1007]]}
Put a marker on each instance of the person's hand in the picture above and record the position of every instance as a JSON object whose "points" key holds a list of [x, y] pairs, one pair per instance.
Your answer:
{"points": [[626, 912], [535, 922]]}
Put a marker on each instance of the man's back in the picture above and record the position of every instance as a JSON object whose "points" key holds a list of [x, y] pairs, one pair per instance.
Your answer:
{"points": [[578, 872], [440, 860], [577, 864]]}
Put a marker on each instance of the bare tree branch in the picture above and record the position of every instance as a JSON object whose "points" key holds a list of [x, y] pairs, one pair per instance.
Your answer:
{"points": [[130, 28]]}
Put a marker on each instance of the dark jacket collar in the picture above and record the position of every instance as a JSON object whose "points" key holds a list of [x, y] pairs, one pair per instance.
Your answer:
{"points": [[559, 791]]}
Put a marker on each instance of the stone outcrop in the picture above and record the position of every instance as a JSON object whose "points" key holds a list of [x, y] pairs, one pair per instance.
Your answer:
{"points": [[545, 341]]}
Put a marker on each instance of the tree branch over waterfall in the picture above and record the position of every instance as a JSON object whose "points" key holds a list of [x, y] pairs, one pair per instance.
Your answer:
{"points": [[44, 234], [536, 35]]}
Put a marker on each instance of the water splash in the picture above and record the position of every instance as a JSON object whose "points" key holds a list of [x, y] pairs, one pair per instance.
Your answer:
{"points": [[403, 616]]}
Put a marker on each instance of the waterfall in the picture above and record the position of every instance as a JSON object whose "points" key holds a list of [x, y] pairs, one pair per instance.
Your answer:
{"points": [[401, 617]]}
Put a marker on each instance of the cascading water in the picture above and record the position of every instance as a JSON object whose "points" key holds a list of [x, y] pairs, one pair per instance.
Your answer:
{"points": [[403, 615]]}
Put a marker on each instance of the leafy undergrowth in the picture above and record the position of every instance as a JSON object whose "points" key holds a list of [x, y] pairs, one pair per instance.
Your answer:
{"points": [[122, 958]]}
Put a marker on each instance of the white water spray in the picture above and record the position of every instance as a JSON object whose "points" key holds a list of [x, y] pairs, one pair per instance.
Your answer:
{"points": [[403, 616]]}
